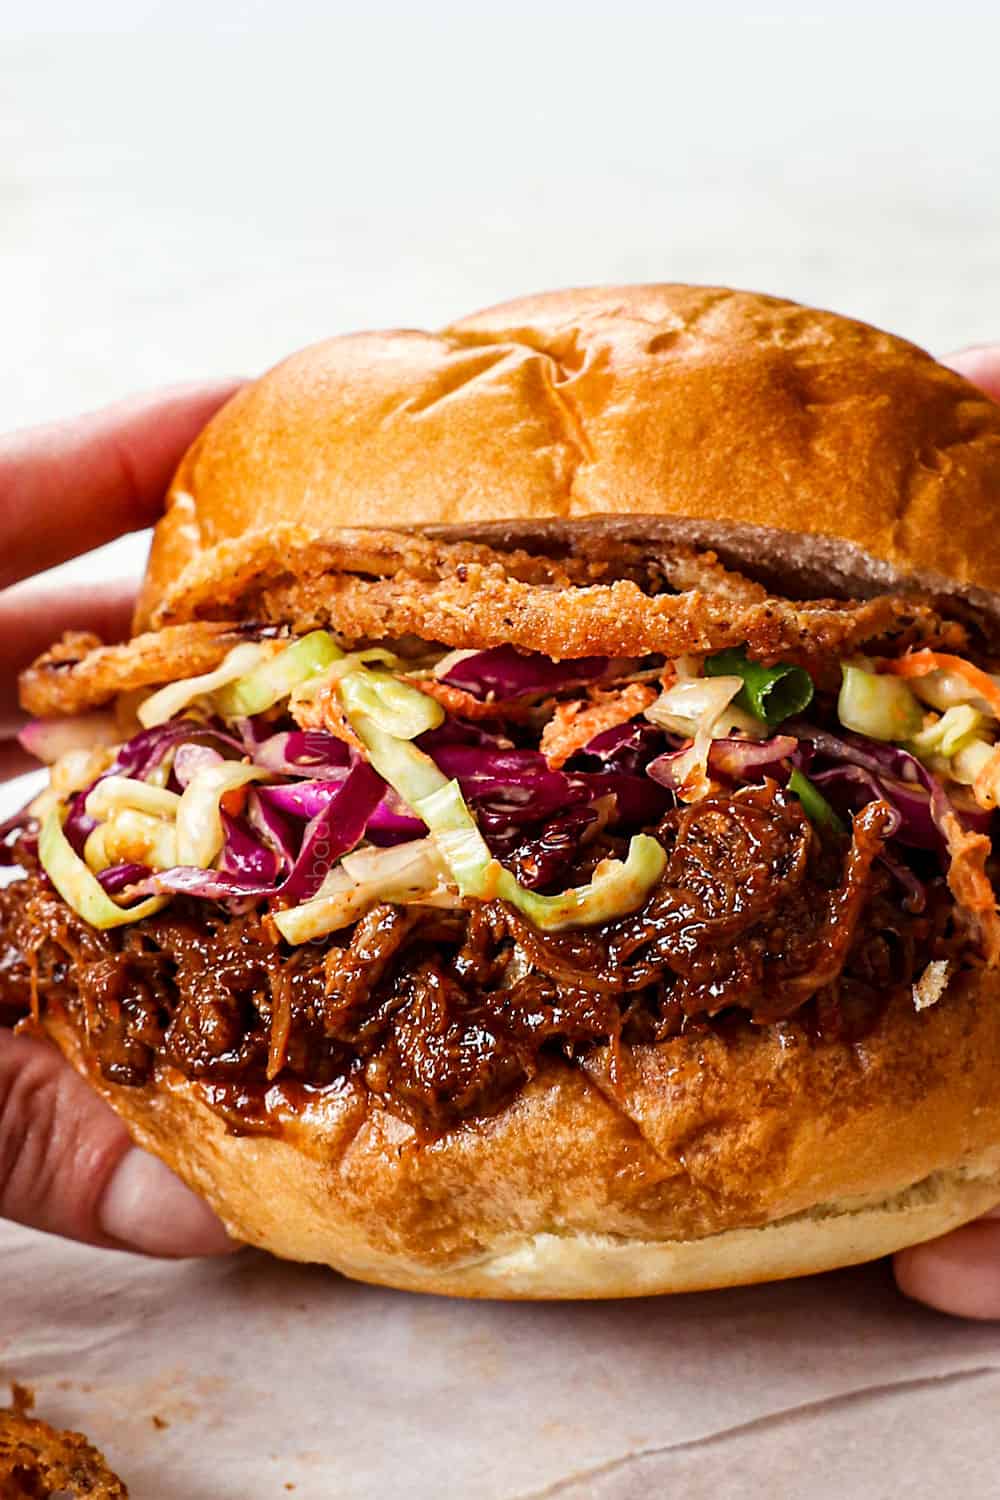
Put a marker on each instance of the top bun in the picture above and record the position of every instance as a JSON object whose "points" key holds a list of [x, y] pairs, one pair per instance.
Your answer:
{"points": [[733, 410]]}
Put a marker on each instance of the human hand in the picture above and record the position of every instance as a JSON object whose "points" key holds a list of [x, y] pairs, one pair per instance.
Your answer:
{"points": [[66, 1162], [960, 1273]]}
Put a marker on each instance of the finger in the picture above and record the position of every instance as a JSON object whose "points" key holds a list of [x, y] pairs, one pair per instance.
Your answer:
{"points": [[959, 1273], [67, 1166], [33, 615], [71, 486], [981, 365]]}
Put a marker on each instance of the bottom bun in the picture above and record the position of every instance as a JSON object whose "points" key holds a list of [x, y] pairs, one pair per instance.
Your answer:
{"points": [[709, 1160], [821, 1239]]}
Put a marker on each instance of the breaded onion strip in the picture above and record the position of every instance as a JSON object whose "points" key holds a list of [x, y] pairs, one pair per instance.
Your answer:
{"points": [[226, 574], [369, 584], [79, 673], [484, 608]]}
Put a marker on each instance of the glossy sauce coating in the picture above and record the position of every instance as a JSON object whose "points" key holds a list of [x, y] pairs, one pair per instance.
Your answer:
{"points": [[443, 1015]]}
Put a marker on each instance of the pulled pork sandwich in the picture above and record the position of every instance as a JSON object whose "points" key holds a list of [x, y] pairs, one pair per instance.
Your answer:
{"points": [[538, 840]]}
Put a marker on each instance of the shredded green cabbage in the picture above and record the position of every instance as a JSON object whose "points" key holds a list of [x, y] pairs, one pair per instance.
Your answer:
{"points": [[956, 728], [398, 708], [694, 705], [274, 679], [78, 886], [969, 763], [408, 770], [130, 837], [176, 696], [880, 706], [200, 835], [411, 872], [313, 686], [117, 792]]}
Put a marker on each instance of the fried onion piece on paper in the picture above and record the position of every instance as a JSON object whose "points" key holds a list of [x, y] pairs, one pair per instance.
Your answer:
{"points": [[37, 1461]]}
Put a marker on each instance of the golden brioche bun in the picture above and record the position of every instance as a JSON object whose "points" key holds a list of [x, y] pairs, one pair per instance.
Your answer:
{"points": [[712, 416], [714, 1162], [656, 401]]}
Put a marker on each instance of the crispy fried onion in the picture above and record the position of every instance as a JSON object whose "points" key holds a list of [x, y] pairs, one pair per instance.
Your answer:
{"points": [[36, 1459], [234, 570], [79, 672], [390, 585], [481, 606]]}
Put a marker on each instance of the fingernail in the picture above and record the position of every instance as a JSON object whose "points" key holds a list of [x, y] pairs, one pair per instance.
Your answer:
{"points": [[146, 1207]]}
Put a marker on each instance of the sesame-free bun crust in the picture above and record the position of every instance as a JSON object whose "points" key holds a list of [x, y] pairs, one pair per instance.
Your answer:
{"points": [[724, 408], [712, 1162], [810, 446]]}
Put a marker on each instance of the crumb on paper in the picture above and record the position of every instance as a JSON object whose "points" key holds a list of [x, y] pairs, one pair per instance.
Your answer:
{"points": [[22, 1398], [932, 984]]}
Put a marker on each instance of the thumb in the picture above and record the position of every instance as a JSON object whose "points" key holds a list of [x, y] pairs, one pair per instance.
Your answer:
{"points": [[67, 1165], [958, 1273], [981, 365]]}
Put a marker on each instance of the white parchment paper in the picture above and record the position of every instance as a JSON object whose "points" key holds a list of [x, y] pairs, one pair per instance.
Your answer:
{"points": [[275, 1379]]}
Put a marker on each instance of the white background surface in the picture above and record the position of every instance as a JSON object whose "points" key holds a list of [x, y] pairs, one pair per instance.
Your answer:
{"points": [[197, 188], [191, 189], [188, 197]]}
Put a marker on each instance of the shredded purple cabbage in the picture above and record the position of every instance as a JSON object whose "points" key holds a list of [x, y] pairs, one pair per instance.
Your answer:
{"points": [[503, 672], [896, 776], [116, 877], [392, 822], [302, 799], [246, 853], [298, 752], [274, 829], [625, 747], [209, 885], [335, 830], [746, 762]]}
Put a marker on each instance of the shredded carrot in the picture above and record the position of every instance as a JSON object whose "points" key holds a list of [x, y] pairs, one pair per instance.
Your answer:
{"points": [[574, 724], [326, 712], [970, 884], [457, 701], [921, 663], [234, 801]]}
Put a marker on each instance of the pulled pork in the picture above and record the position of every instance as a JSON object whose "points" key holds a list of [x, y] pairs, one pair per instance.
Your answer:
{"points": [[443, 1014]]}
